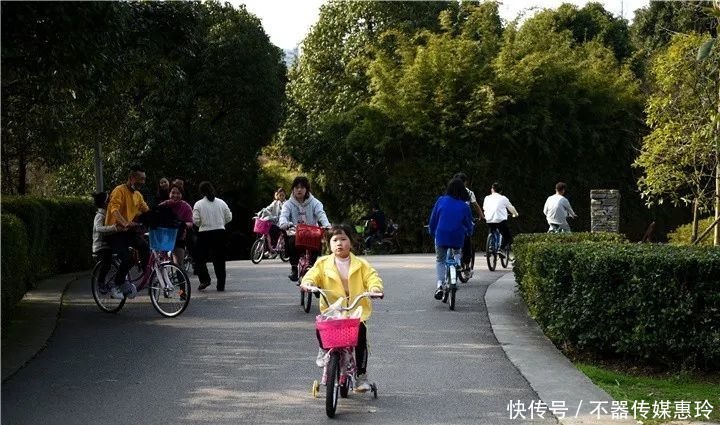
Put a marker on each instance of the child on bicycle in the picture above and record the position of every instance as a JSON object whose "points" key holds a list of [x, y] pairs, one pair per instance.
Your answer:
{"points": [[100, 247], [343, 275], [450, 221]]}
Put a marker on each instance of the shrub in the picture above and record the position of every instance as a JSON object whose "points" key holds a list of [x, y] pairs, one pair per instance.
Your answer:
{"points": [[15, 276], [656, 304], [682, 235]]}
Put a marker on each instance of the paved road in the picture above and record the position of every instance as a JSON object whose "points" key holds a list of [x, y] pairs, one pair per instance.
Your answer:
{"points": [[247, 356]]}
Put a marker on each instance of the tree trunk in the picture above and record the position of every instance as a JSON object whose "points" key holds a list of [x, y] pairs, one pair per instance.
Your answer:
{"points": [[22, 173], [694, 235]]}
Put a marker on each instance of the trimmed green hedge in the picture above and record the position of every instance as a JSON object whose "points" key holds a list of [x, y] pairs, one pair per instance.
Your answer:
{"points": [[654, 304], [15, 272], [58, 239]]}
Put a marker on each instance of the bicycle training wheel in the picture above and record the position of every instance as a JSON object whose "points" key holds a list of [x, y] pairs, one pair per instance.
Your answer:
{"points": [[172, 300], [332, 384], [257, 250], [102, 290]]}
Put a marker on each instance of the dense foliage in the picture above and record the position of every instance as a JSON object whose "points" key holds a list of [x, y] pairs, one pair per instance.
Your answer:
{"points": [[654, 304], [184, 88], [527, 105]]}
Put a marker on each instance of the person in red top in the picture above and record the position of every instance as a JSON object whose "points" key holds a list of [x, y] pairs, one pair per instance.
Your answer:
{"points": [[183, 212], [125, 205]]}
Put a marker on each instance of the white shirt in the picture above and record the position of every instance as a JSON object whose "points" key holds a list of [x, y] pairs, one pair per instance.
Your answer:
{"points": [[496, 207], [557, 209], [211, 215]]}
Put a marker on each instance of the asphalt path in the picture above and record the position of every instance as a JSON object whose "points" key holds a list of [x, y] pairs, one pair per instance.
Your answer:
{"points": [[247, 355]]}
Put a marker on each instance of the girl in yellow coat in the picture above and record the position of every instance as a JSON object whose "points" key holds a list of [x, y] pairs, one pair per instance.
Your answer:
{"points": [[342, 274]]}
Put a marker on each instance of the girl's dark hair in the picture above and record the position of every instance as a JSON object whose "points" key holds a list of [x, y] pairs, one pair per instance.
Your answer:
{"points": [[178, 187], [100, 199], [207, 190], [302, 181], [337, 229], [456, 189]]}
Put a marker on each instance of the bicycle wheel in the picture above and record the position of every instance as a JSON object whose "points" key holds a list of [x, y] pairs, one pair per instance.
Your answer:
{"points": [[102, 290], [491, 253], [332, 384], [257, 250], [452, 298], [280, 248], [308, 300], [467, 269], [344, 386], [170, 301], [505, 258]]}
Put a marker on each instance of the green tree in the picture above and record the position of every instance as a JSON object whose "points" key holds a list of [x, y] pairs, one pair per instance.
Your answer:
{"points": [[680, 154]]}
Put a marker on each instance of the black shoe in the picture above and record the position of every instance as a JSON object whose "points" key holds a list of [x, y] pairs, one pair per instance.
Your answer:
{"points": [[293, 274], [438, 294], [203, 286]]}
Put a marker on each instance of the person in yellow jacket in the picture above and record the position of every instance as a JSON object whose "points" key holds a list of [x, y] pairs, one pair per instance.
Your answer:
{"points": [[342, 274]]}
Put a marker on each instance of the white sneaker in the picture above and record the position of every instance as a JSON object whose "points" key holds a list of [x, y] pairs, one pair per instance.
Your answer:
{"points": [[320, 360], [116, 294], [361, 384]]}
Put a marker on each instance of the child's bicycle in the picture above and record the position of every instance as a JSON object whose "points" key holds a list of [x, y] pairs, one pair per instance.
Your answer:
{"points": [[309, 238], [169, 285], [339, 336], [263, 245]]}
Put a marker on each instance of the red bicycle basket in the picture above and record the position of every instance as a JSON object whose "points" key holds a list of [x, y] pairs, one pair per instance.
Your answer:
{"points": [[262, 226], [337, 333], [308, 237]]}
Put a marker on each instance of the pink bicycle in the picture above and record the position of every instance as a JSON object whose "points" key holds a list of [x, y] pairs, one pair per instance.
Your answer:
{"points": [[339, 336], [263, 245]]}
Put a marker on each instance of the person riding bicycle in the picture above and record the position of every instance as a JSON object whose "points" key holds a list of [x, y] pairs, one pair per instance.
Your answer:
{"points": [[467, 246], [342, 274], [376, 217], [450, 221], [557, 209], [125, 205], [302, 207], [272, 213], [496, 207]]}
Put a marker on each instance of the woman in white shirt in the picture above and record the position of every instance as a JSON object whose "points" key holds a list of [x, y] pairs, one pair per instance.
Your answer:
{"points": [[210, 215]]}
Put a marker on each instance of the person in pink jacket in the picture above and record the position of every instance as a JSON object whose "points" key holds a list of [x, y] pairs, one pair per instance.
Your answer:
{"points": [[183, 212]]}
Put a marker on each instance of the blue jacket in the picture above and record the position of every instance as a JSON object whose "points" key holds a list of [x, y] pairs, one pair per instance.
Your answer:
{"points": [[450, 221]]}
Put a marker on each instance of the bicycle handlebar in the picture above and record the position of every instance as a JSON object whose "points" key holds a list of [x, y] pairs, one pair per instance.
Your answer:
{"points": [[315, 289]]}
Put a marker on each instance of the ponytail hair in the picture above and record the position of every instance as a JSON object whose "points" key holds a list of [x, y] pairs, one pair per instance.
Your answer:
{"points": [[207, 190]]}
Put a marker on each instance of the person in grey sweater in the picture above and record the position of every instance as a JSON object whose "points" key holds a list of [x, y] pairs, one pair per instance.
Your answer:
{"points": [[302, 207], [557, 209], [100, 247]]}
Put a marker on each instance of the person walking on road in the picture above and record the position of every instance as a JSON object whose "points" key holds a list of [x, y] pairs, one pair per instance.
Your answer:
{"points": [[557, 209], [210, 215]]}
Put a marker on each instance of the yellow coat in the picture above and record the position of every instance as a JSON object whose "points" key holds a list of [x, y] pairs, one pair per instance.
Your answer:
{"points": [[362, 277]]}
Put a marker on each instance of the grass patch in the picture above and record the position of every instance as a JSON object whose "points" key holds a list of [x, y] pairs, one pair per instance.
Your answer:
{"points": [[622, 385]]}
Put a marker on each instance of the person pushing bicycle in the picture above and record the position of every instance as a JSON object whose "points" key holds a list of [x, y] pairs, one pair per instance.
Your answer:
{"points": [[496, 207], [344, 275]]}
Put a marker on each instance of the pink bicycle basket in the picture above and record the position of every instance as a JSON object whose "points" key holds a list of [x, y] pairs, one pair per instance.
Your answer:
{"points": [[337, 333], [262, 226]]}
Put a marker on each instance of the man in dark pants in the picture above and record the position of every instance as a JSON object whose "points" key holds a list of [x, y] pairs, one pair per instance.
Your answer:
{"points": [[125, 205]]}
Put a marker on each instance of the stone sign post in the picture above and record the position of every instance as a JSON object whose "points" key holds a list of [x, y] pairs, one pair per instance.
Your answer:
{"points": [[604, 210]]}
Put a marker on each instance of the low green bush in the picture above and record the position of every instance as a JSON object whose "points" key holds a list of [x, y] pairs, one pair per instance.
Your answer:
{"points": [[38, 223], [683, 234], [654, 304], [15, 262]]}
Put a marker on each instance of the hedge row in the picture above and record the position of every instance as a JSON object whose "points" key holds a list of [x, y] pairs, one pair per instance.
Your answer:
{"points": [[683, 234], [42, 237], [654, 304]]}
